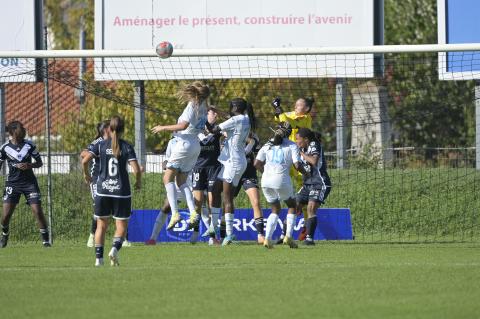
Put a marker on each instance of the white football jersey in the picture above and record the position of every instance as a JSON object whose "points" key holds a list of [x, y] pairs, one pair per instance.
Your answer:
{"points": [[237, 129], [278, 159], [196, 119]]}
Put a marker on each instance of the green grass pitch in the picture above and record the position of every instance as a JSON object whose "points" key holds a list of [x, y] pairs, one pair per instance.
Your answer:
{"points": [[331, 280]]}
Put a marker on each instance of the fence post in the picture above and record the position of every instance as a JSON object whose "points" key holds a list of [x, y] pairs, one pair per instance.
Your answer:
{"points": [[139, 103], [341, 121], [47, 139], [477, 125], [2, 120]]}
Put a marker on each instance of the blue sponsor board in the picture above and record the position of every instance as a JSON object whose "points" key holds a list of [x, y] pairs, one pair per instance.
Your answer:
{"points": [[333, 224]]}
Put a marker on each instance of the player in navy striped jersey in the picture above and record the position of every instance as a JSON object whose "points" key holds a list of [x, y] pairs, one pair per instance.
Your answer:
{"points": [[113, 188], [316, 182], [103, 130], [204, 177], [232, 156], [19, 153]]}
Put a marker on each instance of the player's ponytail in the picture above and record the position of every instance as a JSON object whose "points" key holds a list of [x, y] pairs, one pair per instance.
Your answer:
{"points": [[116, 129], [101, 126], [196, 92], [309, 101], [16, 130], [251, 116]]}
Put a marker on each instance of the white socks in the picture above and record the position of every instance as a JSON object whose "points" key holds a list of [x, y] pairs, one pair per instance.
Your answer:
{"points": [[159, 222], [216, 211], [290, 223], [172, 196], [271, 225], [188, 197], [205, 217], [229, 224]]}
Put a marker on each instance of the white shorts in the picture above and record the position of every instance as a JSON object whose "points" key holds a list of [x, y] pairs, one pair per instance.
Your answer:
{"points": [[275, 195], [183, 154], [232, 173]]}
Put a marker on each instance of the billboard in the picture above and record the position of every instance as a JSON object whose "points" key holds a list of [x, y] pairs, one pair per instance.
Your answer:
{"points": [[458, 23], [333, 224], [17, 33], [228, 24]]}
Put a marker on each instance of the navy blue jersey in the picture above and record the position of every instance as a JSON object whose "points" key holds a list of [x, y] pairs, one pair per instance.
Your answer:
{"points": [[94, 166], [16, 154], [210, 150], [112, 178], [252, 148], [317, 174]]}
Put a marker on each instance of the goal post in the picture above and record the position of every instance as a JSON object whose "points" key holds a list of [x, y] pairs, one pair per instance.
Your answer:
{"points": [[408, 139]]}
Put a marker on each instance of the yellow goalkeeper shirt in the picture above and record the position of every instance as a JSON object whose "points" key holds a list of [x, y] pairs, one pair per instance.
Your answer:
{"points": [[296, 121]]}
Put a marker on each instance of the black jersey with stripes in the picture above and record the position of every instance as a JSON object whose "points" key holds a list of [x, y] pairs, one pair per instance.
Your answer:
{"points": [[317, 173], [210, 150], [112, 178], [15, 154], [252, 148], [94, 166]]}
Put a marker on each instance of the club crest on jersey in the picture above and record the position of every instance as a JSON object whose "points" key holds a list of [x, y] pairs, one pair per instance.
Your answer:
{"points": [[110, 185]]}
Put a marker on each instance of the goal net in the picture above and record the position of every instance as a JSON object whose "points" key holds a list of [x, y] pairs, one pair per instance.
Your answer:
{"points": [[397, 124]]}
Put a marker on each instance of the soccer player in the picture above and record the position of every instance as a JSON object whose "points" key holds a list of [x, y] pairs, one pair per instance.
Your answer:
{"points": [[232, 156], [249, 182], [316, 182], [275, 159], [166, 209], [298, 118], [18, 153], [204, 176], [113, 188], [185, 147], [102, 134]]}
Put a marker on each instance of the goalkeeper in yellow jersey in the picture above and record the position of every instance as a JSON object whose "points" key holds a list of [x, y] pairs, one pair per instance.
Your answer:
{"points": [[298, 118]]}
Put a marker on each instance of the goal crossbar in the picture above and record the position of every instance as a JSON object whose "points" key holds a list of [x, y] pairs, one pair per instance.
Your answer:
{"points": [[244, 52]]}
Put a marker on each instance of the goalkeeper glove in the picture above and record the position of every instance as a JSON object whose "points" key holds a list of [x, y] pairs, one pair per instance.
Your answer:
{"points": [[276, 105]]}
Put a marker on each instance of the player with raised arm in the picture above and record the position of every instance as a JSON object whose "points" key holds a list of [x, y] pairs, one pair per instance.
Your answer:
{"points": [[316, 182], [19, 152], [204, 177], [102, 134], [185, 147], [114, 197], [232, 156], [275, 159], [249, 182], [298, 118]]}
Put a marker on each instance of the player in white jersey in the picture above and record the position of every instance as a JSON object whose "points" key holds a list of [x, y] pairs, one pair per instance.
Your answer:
{"points": [[166, 209], [185, 148], [275, 159], [232, 156]]}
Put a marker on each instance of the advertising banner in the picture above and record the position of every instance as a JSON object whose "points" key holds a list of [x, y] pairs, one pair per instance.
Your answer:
{"points": [[228, 24], [333, 224]]}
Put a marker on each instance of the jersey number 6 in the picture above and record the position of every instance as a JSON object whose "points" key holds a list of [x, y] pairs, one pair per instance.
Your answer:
{"points": [[112, 166]]}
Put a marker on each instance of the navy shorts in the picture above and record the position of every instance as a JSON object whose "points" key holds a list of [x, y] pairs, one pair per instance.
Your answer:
{"points": [[248, 180], [119, 208], [13, 192], [312, 193], [204, 178]]}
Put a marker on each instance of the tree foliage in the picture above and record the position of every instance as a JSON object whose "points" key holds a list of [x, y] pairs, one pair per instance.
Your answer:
{"points": [[424, 111]]}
